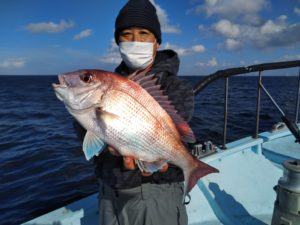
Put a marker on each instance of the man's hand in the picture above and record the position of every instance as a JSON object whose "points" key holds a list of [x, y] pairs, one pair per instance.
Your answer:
{"points": [[129, 162]]}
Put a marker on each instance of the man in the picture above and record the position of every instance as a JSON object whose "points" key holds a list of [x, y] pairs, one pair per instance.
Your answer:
{"points": [[127, 196]]}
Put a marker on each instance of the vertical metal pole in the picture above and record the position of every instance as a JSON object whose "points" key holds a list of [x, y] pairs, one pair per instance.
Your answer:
{"points": [[298, 100], [258, 104], [225, 113]]}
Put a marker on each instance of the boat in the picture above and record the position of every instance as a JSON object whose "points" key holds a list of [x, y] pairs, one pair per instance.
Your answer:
{"points": [[259, 179]]}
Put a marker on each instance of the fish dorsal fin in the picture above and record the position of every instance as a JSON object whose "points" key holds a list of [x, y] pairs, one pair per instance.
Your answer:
{"points": [[136, 76], [148, 82]]}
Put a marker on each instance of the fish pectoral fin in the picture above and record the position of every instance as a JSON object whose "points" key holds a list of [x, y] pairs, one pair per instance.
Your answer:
{"points": [[105, 115], [150, 167], [92, 145]]}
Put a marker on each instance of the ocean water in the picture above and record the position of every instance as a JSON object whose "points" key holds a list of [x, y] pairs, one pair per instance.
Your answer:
{"points": [[42, 166]]}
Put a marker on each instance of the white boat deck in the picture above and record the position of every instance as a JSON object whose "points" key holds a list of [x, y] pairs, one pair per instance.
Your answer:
{"points": [[280, 145], [242, 193]]}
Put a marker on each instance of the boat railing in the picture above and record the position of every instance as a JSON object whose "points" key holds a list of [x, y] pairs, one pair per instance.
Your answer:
{"points": [[227, 73]]}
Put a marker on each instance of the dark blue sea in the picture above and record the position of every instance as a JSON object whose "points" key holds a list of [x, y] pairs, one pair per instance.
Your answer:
{"points": [[42, 166]]}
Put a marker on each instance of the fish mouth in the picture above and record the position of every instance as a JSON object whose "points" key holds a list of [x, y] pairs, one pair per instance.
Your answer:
{"points": [[61, 84], [60, 88]]}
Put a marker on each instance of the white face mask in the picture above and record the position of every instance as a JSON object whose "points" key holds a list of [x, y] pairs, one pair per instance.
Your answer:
{"points": [[136, 55]]}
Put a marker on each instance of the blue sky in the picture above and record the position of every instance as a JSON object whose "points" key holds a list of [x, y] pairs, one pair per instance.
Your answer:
{"points": [[53, 36]]}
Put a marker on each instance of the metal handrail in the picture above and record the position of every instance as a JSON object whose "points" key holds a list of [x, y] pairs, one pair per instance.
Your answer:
{"points": [[298, 100], [250, 69]]}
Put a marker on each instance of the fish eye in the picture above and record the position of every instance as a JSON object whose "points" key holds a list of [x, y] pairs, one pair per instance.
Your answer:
{"points": [[87, 77]]}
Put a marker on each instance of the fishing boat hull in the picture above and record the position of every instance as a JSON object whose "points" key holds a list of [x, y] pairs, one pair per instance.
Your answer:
{"points": [[242, 193]]}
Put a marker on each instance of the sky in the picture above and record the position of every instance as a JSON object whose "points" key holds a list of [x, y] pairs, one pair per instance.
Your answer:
{"points": [[53, 36]]}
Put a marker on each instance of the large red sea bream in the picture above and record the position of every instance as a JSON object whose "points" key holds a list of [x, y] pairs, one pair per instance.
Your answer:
{"points": [[132, 115]]}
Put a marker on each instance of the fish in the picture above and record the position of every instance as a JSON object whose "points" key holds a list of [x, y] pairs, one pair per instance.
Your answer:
{"points": [[134, 116]]}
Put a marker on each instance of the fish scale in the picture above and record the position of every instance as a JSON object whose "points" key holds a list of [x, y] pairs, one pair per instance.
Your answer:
{"points": [[143, 129]]}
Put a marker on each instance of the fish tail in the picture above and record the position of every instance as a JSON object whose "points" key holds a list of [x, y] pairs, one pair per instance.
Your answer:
{"points": [[195, 171]]}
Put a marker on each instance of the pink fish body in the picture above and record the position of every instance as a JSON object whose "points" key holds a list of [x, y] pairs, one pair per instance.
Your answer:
{"points": [[132, 115]]}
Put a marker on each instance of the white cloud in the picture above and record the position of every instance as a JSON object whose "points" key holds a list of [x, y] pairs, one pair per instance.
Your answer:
{"points": [[211, 63], [242, 62], [166, 27], [112, 55], [184, 51], [198, 48], [83, 34], [226, 28], [297, 11], [201, 27], [292, 57], [49, 27], [211, 2], [12, 63], [270, 34], [232, 45], [233, 9], [271, 27], [240, 25]]}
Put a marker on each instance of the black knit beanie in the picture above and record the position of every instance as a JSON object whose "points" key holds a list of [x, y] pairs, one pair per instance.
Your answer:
{"points": [[138, 13]]}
